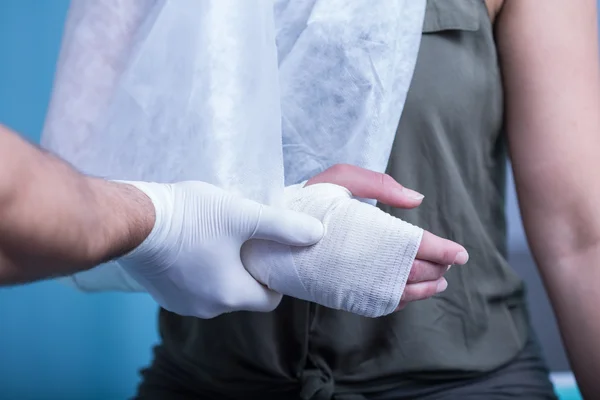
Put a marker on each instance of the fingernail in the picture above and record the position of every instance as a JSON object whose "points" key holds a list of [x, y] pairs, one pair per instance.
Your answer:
{"points": [[442, 285], [412, 194], [461, 258]]}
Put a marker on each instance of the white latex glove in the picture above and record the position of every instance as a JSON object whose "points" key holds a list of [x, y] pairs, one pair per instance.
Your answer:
{"points": [[190, 263]]}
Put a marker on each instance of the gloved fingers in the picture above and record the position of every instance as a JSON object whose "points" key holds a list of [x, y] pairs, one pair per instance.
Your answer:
{"points": [[248, 294], [422, 291], [423, 271], [287, 227], [369, 184], [441, 251]]}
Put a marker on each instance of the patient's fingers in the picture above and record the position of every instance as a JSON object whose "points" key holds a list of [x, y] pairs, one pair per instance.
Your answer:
{"points": [[422, 291], [422, 271], [441, 251], [369, 184], [426, 279]]}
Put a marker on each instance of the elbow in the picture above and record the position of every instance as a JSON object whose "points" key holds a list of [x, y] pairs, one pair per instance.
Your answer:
{"points": [[558, 237]]}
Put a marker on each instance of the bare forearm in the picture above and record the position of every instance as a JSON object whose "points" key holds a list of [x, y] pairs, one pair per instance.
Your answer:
{"points": [[55, 221], [565, 239], [552, 96], [564, 235], [573, 287]]}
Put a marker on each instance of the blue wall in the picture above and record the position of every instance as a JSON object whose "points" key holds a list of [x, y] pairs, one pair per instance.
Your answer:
{"points": [[56, 343]]}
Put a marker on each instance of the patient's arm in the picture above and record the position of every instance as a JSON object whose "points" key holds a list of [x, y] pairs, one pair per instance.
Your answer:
{"points": [[553, 96]]}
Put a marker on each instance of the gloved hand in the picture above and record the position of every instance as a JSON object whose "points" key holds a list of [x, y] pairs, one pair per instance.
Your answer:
{"points": [[190, 263]]}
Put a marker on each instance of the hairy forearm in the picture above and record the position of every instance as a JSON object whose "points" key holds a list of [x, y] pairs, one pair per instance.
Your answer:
{"points": [[55, 221]]}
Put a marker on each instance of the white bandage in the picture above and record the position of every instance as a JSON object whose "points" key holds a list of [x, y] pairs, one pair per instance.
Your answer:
{"points": [[361, 265]]}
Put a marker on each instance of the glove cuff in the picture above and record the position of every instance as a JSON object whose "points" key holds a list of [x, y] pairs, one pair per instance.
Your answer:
{"points": [[147, 253]]}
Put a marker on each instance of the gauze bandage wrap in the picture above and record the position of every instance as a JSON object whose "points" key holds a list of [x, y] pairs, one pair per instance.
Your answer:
{"points": [[361, 265]]}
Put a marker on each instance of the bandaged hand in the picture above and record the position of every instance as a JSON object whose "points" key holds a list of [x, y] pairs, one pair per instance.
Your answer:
{"points": [[435, 254], [369, 262], [190, 263]]}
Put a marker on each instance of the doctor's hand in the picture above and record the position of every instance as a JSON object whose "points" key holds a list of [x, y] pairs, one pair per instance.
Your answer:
{"points": [[435, 254], [190, 263]]}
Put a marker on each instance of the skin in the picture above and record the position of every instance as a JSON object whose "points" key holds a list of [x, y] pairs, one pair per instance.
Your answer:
{"points": [[55, 221], [549, 58]]}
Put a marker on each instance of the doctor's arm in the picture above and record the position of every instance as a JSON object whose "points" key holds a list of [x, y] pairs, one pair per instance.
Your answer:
{"points": [[56, 221], [96, 37], [549, 56]]}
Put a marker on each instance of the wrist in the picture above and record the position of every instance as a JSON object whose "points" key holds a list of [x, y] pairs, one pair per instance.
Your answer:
{"points": [[150, 251], [127, 218]]}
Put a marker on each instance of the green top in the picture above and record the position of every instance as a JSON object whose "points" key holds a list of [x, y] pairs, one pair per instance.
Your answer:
{"points": [[450, 147]]}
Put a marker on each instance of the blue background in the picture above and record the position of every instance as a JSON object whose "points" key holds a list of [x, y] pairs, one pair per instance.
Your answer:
{"points": [[56, 343]]}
